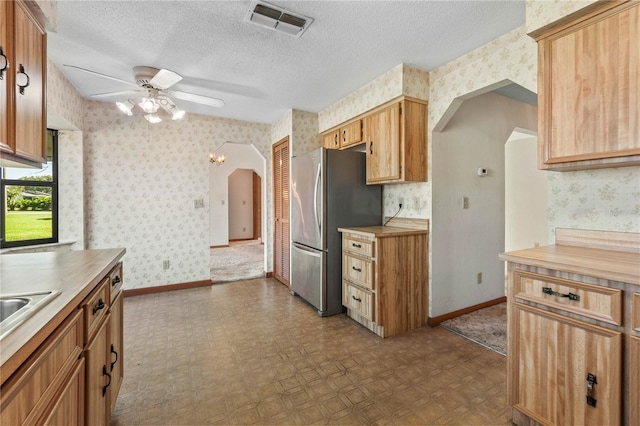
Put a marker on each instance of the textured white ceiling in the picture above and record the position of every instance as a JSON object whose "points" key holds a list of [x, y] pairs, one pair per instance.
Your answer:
{"points": [[260, 74]]}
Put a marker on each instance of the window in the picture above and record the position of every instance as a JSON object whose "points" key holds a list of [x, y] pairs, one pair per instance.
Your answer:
{"points": [[30, 201]]}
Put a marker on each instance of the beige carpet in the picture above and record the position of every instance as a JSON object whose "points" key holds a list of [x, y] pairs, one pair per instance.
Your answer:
{"points": [[237, 262], [487, 327]]}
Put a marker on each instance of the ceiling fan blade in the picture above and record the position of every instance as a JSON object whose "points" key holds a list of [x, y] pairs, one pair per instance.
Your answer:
{"points": [[165, 79], [101, 75], [198, 99], [111, 94]]}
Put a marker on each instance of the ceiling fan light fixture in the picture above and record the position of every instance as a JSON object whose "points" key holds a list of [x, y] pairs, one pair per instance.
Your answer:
{"points": [[148, 105], [125, 107], [153, 118], [177, 115]]}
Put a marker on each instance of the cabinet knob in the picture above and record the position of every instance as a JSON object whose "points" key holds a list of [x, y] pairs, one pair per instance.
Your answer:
{"points": [[371, 147], [22, 79], [357, 299], [98, 306], [113, 351], [4, 63], [356, 269], [115, 281], [344, 136], [591, 382], [335, 139], [105, 373]]}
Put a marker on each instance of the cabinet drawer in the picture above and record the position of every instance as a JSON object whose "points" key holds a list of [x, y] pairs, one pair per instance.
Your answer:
{"points": [[356, 245], [601, 303], [27, 396], [358, 300], [357, 270], [115, 281], [95, 309]]}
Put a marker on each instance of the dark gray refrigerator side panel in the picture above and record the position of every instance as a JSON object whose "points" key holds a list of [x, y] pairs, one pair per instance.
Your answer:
{"points": [[349, 201]]}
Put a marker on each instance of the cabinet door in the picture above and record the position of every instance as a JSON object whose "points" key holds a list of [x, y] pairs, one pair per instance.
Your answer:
{"points": [[331, 140], [588, 89], [351, 134], [69, 407], [383, 145], [116, 350], [7, 74], [634, 380], [281, 243], [98, 377], [30, 113], [555, 354]]}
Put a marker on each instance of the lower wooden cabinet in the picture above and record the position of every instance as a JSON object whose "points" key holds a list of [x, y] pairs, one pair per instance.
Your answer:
{"points": [[98, 377], [47, 386], [555, 355], [384, 277], [116, 350]]}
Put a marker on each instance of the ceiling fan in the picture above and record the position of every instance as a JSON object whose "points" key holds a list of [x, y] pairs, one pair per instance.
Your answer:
{"points": [[151, 93]]}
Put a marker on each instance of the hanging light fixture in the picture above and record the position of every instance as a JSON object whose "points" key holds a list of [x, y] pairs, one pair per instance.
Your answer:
{"points": [[151, 104]]}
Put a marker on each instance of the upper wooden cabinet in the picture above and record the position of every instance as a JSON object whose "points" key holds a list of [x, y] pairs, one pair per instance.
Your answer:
{"points": [[588, 90], [396, 142], [22, 89], [394, 136], [345, 136]]}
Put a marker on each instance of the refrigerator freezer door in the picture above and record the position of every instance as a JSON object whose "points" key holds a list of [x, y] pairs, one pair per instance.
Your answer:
{"points": [[307, 199], [307, 275]]}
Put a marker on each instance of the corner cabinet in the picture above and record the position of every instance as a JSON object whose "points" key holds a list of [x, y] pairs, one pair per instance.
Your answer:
{"points": [[384, 277], [588, 91], [572, 345], [23, 42]]}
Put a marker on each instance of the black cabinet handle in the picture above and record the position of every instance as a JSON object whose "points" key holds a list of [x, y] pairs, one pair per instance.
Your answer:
{"points": [[20, 80], [104, 373], [4, 63], [571, 296], [335, 138], [371, 147], [99, 305], [591, 382], [357, 299], [116, 360], [356, 245], [356, 269], [344, 136], [115, 281]]}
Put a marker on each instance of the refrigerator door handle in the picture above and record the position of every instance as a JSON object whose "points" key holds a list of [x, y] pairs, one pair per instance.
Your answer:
{"points": [[307, 250], [315, 198]]}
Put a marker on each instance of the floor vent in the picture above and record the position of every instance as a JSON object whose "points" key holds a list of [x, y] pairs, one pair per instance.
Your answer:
{"points": [[276, 18]]}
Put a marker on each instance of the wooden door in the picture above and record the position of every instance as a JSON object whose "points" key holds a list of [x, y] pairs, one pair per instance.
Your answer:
{"points": [[68, 409], [281, 249], [383, 144], [30, 109], [555, 354], [6, 82], [257, 206], [116, 351], [98, 377]]}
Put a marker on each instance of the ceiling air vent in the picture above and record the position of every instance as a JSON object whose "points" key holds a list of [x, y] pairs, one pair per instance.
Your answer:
{"points": [[276, 18]]}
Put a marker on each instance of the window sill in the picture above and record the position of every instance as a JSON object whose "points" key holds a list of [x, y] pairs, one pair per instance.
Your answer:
{"points": [[62, 246]]}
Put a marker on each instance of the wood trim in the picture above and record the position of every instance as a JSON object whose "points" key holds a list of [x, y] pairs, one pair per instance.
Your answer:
{"points": [[163, 288], [434, 321], [222, 246], [605, 240], [241, 239], [268, 274], [407, 222]]}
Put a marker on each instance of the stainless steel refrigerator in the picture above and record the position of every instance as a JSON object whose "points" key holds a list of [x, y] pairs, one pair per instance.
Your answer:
{"points": [[328, 191]]}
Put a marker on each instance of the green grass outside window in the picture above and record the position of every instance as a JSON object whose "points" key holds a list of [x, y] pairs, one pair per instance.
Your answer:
{"points": [[28, 225]]}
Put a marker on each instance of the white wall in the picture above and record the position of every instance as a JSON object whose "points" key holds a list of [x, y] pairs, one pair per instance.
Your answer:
{"points": [[239, 156], [525, 191], [241, 204], [468, 241]]}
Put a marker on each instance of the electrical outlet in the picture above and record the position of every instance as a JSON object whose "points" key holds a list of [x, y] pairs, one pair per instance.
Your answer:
{"points": [[465, 202], [401, 201], [244, 229], [165, 264], [479, 277], [198, 204]]}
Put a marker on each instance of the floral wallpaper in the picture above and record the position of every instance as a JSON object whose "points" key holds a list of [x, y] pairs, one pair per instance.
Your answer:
{"points": [[49, 11], [70, 188], [304, 134], [141, 181], [603, 199], [541, 13]]}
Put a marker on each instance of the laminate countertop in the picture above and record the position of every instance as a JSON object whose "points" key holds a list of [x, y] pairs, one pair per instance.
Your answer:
{"points": [[596, 262], [73, 273], [383, 231]]}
